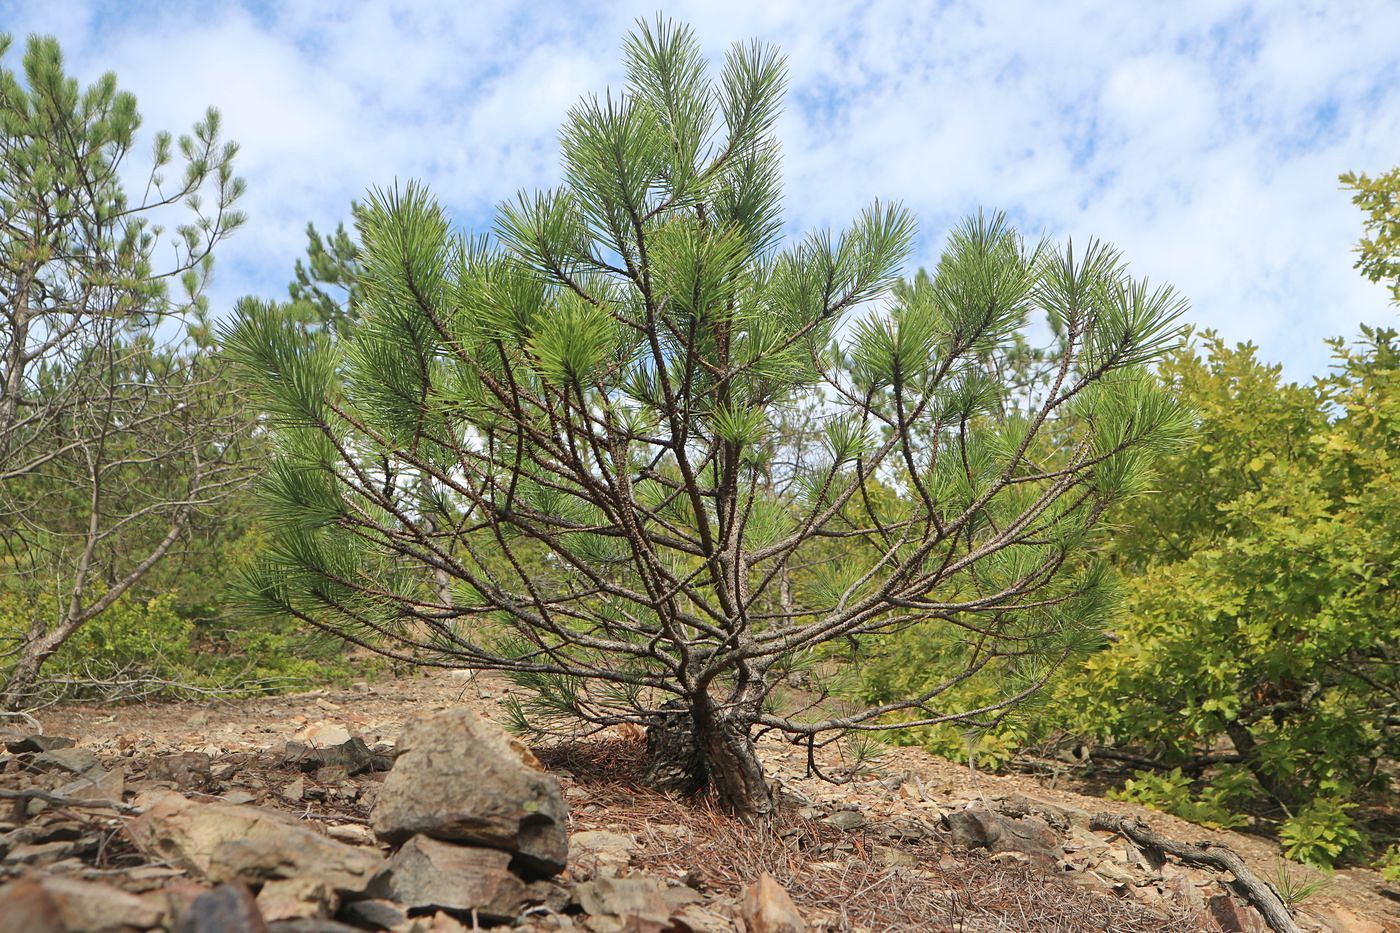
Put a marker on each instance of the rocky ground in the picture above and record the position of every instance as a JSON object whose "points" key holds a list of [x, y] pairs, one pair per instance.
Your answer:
{"points": [[318, 812]]}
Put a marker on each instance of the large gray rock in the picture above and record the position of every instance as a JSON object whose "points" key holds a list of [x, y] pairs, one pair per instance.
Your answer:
{"points": [[996, 832], [462, 779], [222, 842], [426, 874]]}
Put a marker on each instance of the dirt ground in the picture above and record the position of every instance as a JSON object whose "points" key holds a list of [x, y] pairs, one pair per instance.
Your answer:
{"points": [[376, 711]]}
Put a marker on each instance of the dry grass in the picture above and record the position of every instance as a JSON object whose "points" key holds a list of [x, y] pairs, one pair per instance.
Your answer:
{"points": [[838, 879]]}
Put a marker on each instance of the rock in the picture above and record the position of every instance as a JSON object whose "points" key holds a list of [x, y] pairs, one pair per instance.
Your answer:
{"points": [[638, 903], [351, 833], [375, 914], [352, 755], [51, 902], [891, 857], [221, 842], [846, 819], [39, 743], [767, 908], [311, 925], [96, 784], [26, 908], [226, 908], [187, 770], [294, 791], [600, 840], [427, 874], [290, 898], [983, 829], [71, 759], [1234, 917], [460, 778], [325, 734]]}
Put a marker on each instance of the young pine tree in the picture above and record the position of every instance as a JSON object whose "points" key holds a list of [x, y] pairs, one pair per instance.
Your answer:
{"points": [[553, 451]]}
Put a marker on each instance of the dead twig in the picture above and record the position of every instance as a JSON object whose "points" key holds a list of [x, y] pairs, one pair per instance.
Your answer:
{"points": [[33, 793], [1207, 855]]}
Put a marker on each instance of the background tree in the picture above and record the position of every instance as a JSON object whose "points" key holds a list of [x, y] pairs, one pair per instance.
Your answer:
{"points": [[1378, 252], [326, 291], [114, 423], [573, 426], [1260, 599]]}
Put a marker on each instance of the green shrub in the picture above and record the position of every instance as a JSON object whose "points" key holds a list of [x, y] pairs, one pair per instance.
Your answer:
{"points": [[1322, 833], [1172, 792]]}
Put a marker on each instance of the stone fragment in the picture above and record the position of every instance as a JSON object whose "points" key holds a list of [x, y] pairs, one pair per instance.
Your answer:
{"points": [[228, 907], [767, 908], [638, 903], [39, 743], [96, 784], [1233, 917], [600, 840], [460, 778], [221, 842], [76, 906], [427, 874], [187, 770], [71, 759], [290, 898], [982, 829], [846, 819], [375, 914]]}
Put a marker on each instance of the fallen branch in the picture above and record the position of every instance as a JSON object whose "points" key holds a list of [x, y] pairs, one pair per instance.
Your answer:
{"points": [[1207, 855], [33, 793]]}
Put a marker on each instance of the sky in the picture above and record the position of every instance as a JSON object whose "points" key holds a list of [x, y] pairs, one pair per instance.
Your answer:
{"points": [[1204, 139]]}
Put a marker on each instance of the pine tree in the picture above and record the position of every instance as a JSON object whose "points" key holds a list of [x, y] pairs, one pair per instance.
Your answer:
{"points": [[575, 424], [114, 426]]}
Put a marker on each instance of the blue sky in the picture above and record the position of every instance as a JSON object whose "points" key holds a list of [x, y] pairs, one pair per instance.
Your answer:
{"points": [[1202, 138]]}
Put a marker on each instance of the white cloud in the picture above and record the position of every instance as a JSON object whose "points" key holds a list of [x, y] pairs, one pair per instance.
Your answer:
{"points": [[1203, 138]]}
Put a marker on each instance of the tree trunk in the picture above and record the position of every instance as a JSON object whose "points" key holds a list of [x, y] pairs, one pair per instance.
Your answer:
{"points": [[1244, 743], [22, 677], [692, 747]]}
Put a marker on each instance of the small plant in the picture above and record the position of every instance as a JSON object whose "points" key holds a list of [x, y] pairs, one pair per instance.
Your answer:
{"points": [[1322, 832], [1172, 792], [1389, 863], [1294, 890]]}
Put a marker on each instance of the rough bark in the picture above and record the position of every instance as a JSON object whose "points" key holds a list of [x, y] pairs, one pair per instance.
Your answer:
{"points": [[690, 749]]}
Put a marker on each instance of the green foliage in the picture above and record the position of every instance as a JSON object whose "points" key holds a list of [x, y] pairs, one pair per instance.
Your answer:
{"points": [[1322, 833], [1260, 600], [147, 649], [1173, 792], [1378, 253], [1389, 863]]}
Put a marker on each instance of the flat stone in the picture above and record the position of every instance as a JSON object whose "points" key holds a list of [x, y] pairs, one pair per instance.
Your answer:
{"points": [[220, 842], [846, 819], [767, 908], [601, 840], [428, 874], [375, 914], [291, 898], [38, 743], [460, 778], [96, 784], [71, 759], [187, 770]]}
